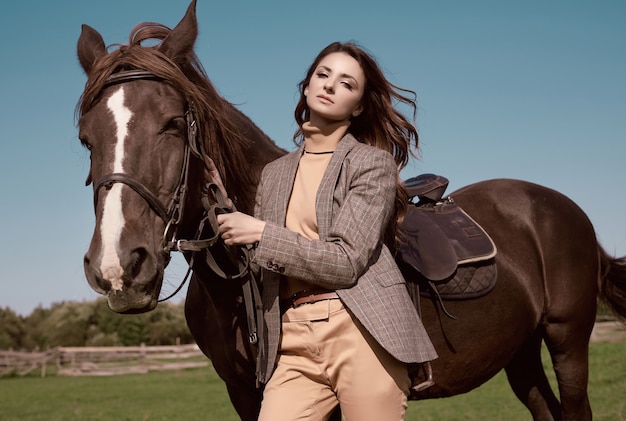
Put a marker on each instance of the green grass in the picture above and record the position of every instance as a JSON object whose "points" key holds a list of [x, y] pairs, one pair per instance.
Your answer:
{"points": [[495, 400], [199, 394]]}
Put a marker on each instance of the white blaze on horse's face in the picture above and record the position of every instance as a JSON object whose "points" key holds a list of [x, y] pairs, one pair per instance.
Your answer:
{"points": [[112, 214]]}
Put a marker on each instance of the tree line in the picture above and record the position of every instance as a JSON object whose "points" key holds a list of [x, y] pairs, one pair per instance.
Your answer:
{"points": [[92, 323]]}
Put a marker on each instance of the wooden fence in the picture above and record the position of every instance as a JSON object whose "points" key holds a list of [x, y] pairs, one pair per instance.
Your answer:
{"points": [[102, 361]]}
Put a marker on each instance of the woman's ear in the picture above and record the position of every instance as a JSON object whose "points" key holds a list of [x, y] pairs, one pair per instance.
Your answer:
{"points": [[357, 111], [306, 91]]}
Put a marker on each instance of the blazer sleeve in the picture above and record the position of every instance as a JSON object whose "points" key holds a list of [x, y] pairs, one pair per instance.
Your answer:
{"points": [[355, 236]]}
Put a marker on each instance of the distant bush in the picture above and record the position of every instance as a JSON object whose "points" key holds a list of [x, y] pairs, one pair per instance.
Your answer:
{"points": [[91, 323]]}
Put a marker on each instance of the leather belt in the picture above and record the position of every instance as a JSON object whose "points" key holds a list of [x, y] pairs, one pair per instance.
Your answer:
{"points": [[308, 296]]}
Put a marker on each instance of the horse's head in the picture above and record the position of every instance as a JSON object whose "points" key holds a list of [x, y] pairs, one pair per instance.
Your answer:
{"points": [[136, 119], [151, 118]]}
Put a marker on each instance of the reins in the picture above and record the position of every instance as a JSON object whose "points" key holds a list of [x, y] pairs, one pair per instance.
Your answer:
{"points": [[213, 202]]}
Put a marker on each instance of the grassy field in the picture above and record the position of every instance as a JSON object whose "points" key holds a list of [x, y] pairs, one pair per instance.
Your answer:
{"points": [[199, 394]]}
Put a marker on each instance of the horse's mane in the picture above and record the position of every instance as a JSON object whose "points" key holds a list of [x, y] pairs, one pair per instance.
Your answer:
{"points": [[217, 119]]}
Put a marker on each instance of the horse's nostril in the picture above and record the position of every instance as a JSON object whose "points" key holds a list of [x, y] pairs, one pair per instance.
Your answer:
{"points": [[137, 262]]}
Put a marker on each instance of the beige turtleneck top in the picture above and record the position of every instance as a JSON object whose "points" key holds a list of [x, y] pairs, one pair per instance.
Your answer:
{"points": [[301, 217]]}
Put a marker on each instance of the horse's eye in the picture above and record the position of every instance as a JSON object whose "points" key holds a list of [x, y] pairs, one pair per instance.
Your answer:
{"points": [[84, 141], [87, 145], [175, 126]]}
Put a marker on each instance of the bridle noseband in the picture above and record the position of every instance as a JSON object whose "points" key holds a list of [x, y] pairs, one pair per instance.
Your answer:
{"points": [[108, 180]]}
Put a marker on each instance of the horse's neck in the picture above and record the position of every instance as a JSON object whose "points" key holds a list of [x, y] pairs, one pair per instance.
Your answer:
{"points": [[260, 152], [265, 149]]}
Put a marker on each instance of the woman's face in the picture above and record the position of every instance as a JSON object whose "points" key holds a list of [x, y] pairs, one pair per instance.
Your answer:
{"points": [[335, 90]]}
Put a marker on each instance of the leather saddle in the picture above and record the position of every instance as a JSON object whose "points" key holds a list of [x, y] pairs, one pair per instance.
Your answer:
{"points": [[450, 251]]}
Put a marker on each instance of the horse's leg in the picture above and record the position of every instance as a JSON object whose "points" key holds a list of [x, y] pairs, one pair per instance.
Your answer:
{"points": [[530, 384], [568, 344], [566, 249], [215, 335], [570, 314]]}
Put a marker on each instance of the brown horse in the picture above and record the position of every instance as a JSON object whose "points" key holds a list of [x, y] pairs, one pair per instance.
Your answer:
{"points": [[151, 119]]}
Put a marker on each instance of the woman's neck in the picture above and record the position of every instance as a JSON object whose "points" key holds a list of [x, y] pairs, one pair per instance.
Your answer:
{"points": [[324, 138]]}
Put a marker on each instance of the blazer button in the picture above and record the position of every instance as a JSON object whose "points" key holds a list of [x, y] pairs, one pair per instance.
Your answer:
{"points": [[270, 264], [281, 269]]}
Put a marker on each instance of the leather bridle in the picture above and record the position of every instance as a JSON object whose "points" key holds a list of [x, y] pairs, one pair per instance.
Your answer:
{"points": [[171, 214], [213, 202]]}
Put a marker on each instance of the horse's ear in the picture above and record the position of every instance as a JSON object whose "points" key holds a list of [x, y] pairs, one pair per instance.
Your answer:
{"points": [[90, 47], [179, 43]]}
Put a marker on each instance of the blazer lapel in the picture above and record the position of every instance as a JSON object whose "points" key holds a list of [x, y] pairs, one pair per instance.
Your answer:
{"points": [[285, 184], [326, 190]]}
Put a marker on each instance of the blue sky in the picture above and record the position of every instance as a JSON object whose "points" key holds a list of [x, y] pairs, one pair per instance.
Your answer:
{"points": [[534, 90]]}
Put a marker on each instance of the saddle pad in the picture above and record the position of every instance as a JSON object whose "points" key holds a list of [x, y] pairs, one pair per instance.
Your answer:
{"points": [[470, 281]]}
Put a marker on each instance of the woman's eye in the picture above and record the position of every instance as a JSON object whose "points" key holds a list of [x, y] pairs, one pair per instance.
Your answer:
{"points": [[322, 74]]}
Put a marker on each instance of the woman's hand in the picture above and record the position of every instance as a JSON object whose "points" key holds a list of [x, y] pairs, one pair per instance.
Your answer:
{"points": [[238, 228]]}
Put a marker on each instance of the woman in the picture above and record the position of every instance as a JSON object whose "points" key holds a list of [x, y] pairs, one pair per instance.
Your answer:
{"points": [[341, 327]]}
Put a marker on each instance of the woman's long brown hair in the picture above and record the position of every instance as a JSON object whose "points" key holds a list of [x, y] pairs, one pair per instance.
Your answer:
{"points": [[380, 124]]}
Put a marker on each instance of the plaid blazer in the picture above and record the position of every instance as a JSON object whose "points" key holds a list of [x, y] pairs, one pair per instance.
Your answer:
{"points": [[353, 206]]}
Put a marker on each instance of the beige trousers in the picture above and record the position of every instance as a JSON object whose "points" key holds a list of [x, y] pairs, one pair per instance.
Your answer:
{"points": [[327, 358]]}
